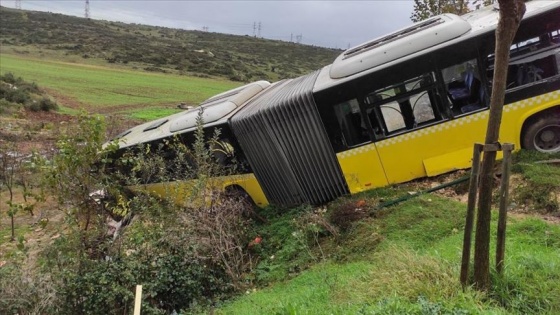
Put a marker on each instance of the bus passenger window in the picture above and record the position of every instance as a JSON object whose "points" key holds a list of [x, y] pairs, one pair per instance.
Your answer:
{"points": [[352, 125], [531, 60], [422, 107], [393, 117], [403, 106], [464, 87]]}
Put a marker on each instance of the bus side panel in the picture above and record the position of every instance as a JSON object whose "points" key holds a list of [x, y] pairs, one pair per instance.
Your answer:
{"points": [[448, 162], [433, 150], [516, 114], [362, 168], [188, 192], [448, 146], [179, 192]]}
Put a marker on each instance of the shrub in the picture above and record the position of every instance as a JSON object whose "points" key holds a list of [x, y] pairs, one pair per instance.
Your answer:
{"points": [[47, 105], [25, 292], [184, 256], [19, 96], [9, 77], [173, 275], [7, 107], [17, 91], [33, 106]]}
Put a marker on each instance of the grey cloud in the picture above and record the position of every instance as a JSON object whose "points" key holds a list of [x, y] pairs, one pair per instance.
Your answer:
{"points": [[323, 23]]}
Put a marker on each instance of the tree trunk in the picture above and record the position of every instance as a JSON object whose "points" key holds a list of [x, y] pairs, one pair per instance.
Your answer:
{"points": [[511, 12]]}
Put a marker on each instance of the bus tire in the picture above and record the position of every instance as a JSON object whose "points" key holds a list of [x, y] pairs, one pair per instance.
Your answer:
{"points": [[542, 134]]}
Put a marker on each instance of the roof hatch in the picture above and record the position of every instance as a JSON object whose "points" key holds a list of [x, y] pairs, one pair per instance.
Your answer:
{"points": [[406, 41]]}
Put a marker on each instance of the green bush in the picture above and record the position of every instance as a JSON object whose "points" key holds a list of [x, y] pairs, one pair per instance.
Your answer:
{"points": [[16, 91], [8, 77], [7, 107], [173, 276], [47, 104], [19, 96], [185, 257]]}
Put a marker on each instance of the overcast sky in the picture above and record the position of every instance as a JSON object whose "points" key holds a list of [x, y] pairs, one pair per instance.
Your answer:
{"points": [[335, 24]]}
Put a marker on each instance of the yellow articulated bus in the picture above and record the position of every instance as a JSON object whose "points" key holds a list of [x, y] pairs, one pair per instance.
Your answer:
{"points": [[403, 106]]}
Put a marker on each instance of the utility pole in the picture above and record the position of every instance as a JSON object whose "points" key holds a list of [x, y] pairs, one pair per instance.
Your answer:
{"points": [[298, 38], [87, 10], [259, 33], [18, 4], [254, 29]]}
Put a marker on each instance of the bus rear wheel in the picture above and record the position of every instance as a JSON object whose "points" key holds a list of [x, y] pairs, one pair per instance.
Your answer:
{"points": [[543, 134]]}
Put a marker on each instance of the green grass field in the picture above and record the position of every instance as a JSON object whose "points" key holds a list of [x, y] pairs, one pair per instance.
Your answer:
{"points": [[97, 87], [407, 261]]}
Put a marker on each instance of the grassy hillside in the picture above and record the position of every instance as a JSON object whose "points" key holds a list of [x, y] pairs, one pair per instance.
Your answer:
{"points": [[403, 260], [400, 260], [158, 49], [409, 264], [102, 89]]}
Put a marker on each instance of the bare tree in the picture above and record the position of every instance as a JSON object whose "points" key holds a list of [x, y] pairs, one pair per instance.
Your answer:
{"points": [[8, 160], [511, 13], [16, 175]]}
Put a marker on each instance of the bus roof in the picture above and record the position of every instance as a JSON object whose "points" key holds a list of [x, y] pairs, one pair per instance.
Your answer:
{"points": [[417, 37], [416, 40], [216, 110]]}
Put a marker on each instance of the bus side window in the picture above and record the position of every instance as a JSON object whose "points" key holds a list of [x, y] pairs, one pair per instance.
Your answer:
{"points": [[464, 87], [422, 107], [403, 106], [531, 60], [352, 125], [393, 116]]}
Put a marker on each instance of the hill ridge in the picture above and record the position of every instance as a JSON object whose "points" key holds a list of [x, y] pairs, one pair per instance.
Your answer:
{"points": [[157, 48]]}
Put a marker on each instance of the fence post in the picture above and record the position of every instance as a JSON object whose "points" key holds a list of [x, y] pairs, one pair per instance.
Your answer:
{"points": [[138, 300], [504, 196], [473, 189]]}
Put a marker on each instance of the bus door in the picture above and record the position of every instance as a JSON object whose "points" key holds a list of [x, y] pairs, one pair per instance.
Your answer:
{"points": [[415, 136], [357, 155]]}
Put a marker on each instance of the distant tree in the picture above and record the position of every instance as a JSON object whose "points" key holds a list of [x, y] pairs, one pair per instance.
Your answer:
{"points": [[424, 9]]}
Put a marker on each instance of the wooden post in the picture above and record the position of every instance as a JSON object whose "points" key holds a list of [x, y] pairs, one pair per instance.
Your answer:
{"points": [[504, 196], [138, 300], [473, 189]]}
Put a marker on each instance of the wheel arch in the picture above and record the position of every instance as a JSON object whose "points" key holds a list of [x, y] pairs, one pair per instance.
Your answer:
{"points": [[240, 191], [234, 188]]}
